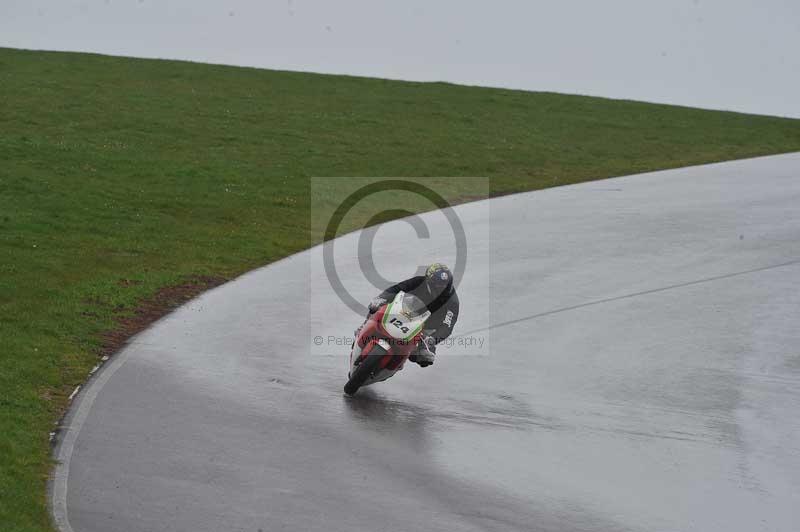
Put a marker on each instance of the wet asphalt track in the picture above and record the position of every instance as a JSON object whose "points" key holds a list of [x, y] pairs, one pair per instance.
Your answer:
{"points": [[644, 374]]}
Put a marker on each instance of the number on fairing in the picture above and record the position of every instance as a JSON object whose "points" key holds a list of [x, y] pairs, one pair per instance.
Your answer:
{"points": [[399, 324]]}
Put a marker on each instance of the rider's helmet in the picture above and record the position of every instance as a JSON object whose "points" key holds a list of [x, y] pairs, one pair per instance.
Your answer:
{"points": [[438, 279]]}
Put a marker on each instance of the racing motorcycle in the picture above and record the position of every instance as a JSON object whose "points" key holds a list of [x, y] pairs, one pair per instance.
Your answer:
{"points": [[386, 340]]}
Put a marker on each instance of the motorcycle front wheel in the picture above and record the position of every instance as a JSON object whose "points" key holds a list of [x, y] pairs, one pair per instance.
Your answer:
{"points": [[368, 367]]}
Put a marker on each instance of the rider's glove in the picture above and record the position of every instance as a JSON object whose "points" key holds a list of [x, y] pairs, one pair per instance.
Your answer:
{"points": [[425, 354], [375, 304]]}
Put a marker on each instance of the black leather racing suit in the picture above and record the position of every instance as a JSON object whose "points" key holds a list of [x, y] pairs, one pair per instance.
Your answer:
{"points": [[444, 308]]}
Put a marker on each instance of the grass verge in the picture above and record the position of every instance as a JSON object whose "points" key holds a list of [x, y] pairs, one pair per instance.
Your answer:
{"points": [[122, 177]]}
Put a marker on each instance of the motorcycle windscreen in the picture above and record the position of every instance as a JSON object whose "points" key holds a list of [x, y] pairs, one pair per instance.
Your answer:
{"points": [[413, 307]]}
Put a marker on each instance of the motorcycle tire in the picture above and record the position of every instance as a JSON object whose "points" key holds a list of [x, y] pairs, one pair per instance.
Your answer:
{"points": [[364, 370]]}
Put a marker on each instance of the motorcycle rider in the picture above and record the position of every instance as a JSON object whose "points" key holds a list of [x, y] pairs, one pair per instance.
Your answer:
{"points": [[436, 290]]}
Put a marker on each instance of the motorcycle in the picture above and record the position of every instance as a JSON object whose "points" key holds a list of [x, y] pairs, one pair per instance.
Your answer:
{"points": [[386, 340]]}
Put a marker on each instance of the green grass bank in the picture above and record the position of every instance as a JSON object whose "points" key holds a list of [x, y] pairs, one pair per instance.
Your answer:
{"points": [[119, 177]]}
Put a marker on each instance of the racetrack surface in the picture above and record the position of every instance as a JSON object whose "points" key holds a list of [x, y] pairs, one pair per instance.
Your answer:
{"points": [[644, 374]]}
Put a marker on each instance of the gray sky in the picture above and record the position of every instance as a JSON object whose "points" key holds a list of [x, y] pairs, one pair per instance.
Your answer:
{"points": [[742, 55]]}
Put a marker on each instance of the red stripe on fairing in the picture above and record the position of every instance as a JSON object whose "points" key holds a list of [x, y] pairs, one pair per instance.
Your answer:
{"points": [[366, 351]]}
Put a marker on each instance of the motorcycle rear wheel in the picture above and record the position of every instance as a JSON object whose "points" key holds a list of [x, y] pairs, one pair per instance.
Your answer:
{"points": [[365, 370]]}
